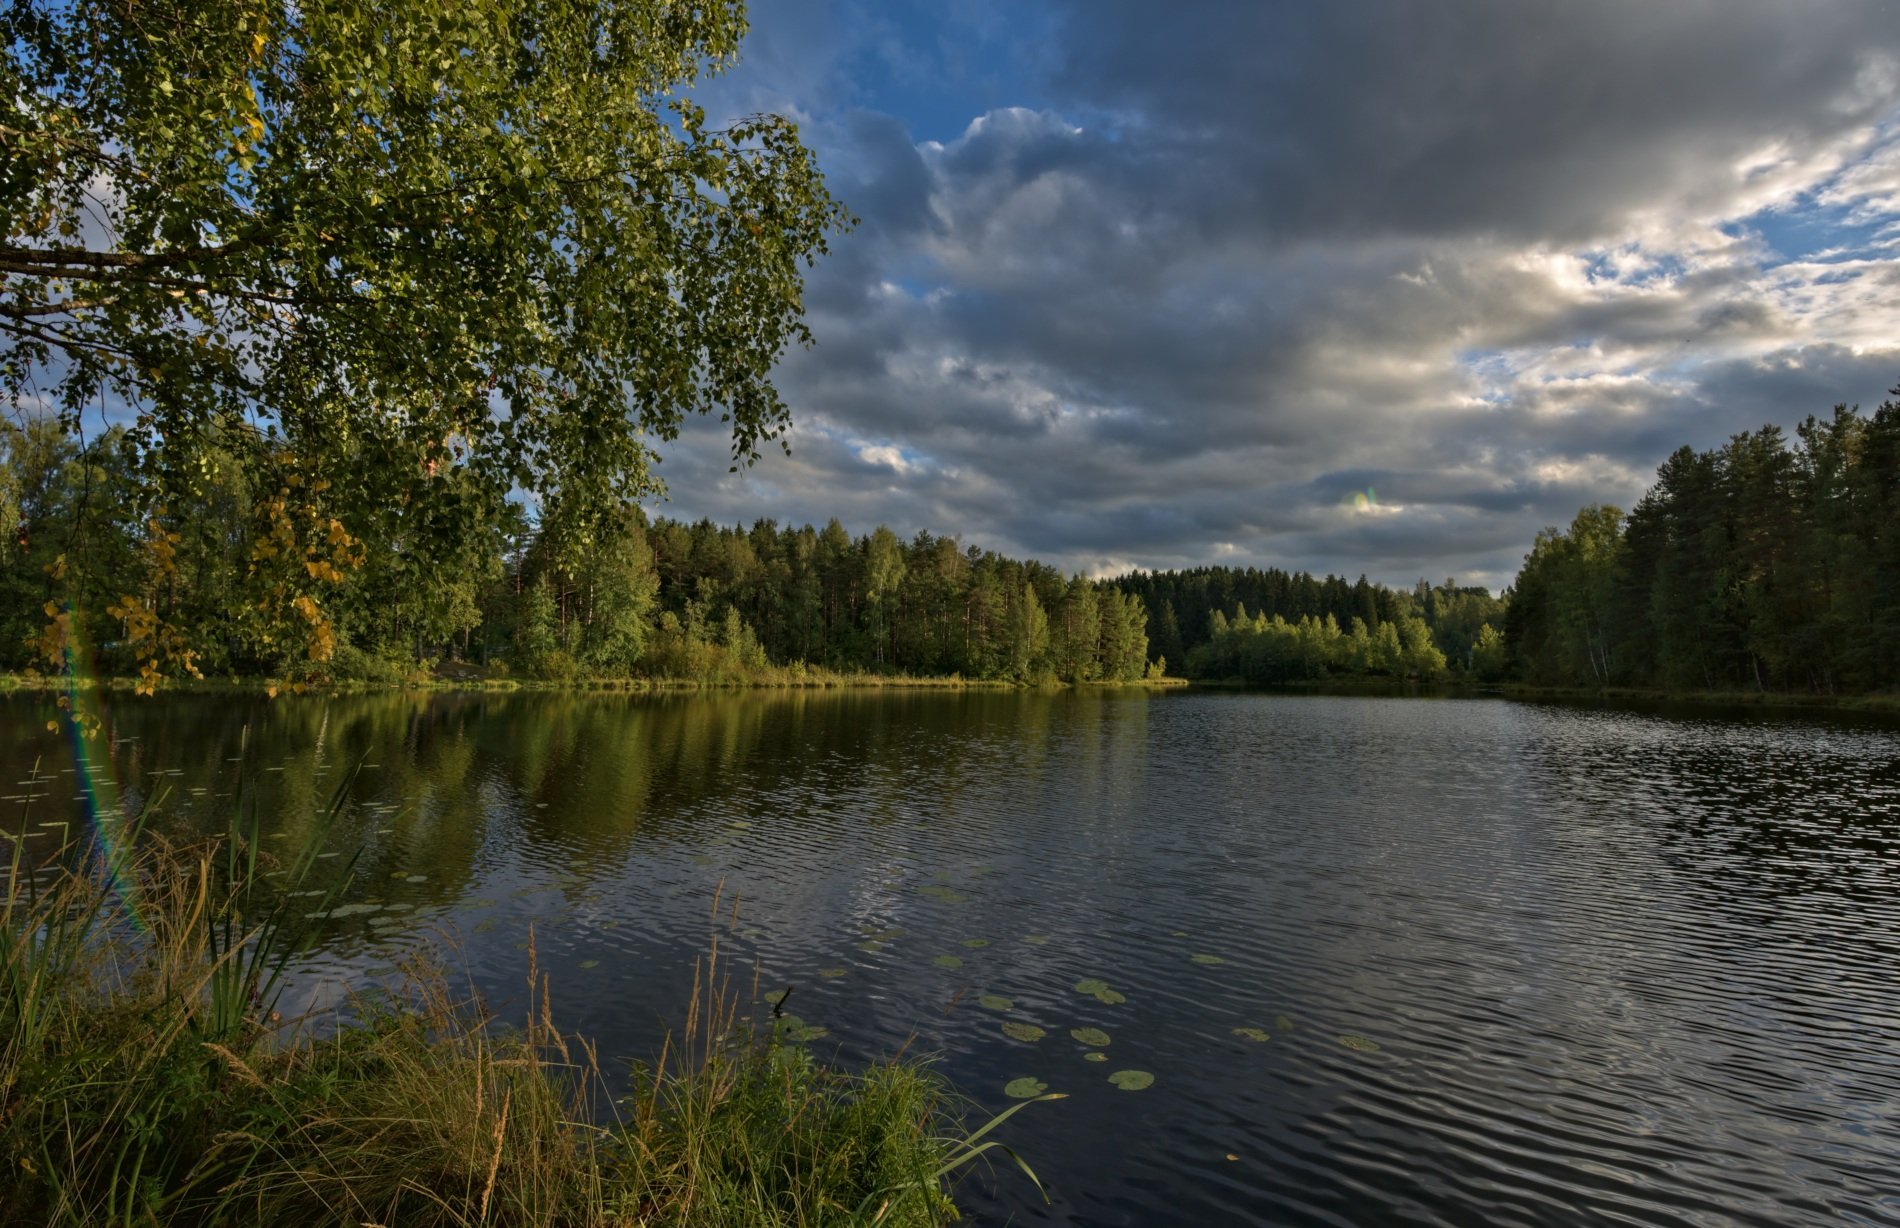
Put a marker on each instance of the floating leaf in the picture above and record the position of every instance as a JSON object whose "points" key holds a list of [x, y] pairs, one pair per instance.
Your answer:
{"points": [[1095, 1057], [1282, 1023], [1093, 1037], [1026, 1032], [1359, 1043], [1090, 986], [1111, 997], [995, 1002], [1037, 940], [1024, 1088], [1131, 1080], [871, 945], [589, 963], [1257, 1035], [1180, 934], [1208, 960], [947, 961], [938, 892], [976, 944], [832, 974], [776, 996], [796, 1030]]}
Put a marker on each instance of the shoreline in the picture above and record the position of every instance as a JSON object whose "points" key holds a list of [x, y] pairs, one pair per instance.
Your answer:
{"points": [[478, 684], [1879, 703], [1882, 703]]}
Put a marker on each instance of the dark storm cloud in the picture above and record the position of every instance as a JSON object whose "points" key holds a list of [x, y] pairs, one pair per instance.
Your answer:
{"points": [[1234, 263], [1544, 121]]}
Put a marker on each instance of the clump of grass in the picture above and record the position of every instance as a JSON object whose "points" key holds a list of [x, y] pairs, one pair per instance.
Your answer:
{"points": [[145, 1080]]}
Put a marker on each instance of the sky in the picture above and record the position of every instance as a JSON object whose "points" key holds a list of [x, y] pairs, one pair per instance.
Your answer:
{"points": [[1376, 288]]}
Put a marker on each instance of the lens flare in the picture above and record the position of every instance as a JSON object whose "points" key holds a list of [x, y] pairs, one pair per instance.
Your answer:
{"points": [[1365, 500], [99, 793]]}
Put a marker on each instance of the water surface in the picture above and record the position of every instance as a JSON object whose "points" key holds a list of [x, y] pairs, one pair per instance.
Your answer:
{"points": [[1489, 961]]}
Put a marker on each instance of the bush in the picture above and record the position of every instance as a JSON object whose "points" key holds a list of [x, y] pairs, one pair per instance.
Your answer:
{"points": [[352, 664]]}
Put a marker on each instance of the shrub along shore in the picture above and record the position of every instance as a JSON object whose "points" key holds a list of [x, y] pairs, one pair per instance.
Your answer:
{"points": [[475, 680], [146, 1080]]}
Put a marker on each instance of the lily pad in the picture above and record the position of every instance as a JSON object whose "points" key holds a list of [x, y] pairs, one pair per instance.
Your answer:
{"points": [[832, 974], [775, 996], [1206, 960], [994, 1002], [1095, 1057], [947, 961], [1282, 1023], [1256, 1035], [796, 1030], [1028, 1033], [589, 963], [976, 944], [1036, 940], [1024, 1088], [871, 946], [938, 892], [1180, 934], [1090, 985], [1359, 1043], [1095, 1038], [1111, 997], [1131, 1080]]}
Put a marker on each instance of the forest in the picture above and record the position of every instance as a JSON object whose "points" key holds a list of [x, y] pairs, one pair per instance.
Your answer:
{"points": [[1762, 565], [633, 597]]}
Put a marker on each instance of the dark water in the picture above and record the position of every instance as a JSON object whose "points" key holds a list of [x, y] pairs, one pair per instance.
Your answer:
{"points": [[1619, 967]]}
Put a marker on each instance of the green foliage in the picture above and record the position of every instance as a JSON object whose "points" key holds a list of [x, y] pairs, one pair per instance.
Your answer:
{"points": [[1287, 628], [1270, 651], [441, 252], [1757, 566]]}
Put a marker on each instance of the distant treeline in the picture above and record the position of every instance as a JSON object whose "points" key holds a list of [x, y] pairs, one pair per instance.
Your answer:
{"points": [[631, 596], [1757, 565], [1271, 626]]}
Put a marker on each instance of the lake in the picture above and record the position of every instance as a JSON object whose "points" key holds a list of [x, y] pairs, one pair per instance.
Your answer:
{"points": [[1406, 960]]}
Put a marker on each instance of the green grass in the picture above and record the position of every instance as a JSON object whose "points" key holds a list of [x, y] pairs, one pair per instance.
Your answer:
{"points": [[146, 1080]]}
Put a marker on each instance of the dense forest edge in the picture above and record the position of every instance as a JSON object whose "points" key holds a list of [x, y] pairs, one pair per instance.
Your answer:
{"points": [[1764, 567]]}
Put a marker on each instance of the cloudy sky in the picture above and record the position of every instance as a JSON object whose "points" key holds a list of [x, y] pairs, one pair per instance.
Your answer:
{"points": [[1377, 288]]}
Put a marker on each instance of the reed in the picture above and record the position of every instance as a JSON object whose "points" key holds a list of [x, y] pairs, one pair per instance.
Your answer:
{"points": [[145, 1079]]}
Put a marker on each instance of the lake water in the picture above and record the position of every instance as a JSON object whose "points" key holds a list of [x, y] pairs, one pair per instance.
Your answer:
{"points": [[1512, 963]]}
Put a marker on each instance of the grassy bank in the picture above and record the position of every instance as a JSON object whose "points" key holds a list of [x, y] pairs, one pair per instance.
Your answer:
{"points": [[473, 679], [146, 1080]]}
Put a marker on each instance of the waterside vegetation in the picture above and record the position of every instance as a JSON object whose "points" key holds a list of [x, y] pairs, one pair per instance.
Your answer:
{"points": [[146, 1079]]}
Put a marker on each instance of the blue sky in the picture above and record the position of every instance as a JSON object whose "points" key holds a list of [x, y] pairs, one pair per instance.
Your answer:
{"points": [[1158, 285]]}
